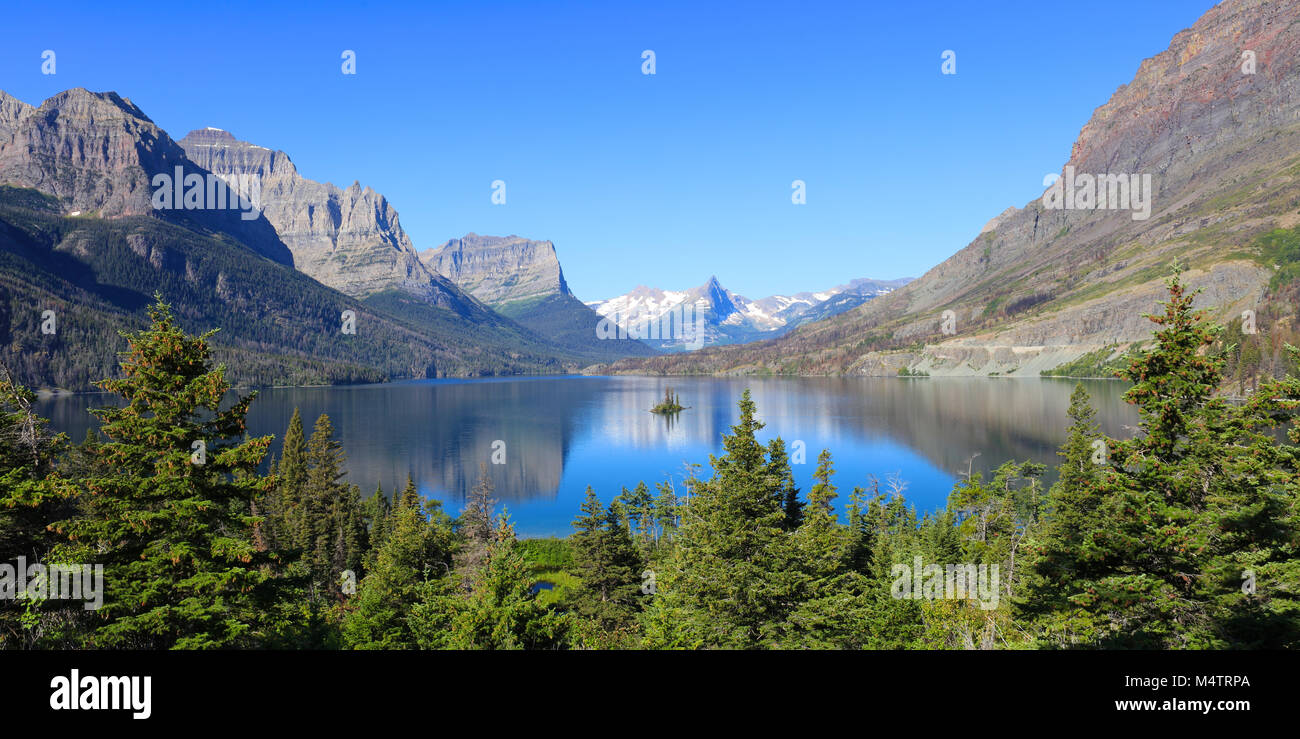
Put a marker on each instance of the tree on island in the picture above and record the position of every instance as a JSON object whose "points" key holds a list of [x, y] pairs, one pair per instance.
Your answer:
{"points": [[670, 404]]}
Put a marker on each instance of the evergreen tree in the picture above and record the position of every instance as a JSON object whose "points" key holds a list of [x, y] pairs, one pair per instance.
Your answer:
{"points": [[1055, 561], [608, 566], [171, 517], [787, 495], [33, 491], [411, 567], [502, 611], [377, 514], [822, 542], [732, 577], [285, 510]]}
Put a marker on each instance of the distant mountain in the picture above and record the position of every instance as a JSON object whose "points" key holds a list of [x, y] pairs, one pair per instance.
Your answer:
{"points": [[522, 279], [499, 270], [80, 236], [730, 318], [1211, 145]]}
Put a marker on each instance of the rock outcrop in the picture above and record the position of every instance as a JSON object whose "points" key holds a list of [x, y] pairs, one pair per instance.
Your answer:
{"points": [[12, 112], [499, 270], [349, 239], [99, 154]]}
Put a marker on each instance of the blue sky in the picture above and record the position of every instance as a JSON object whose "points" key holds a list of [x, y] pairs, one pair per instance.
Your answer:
{"points": [[660, 180]]}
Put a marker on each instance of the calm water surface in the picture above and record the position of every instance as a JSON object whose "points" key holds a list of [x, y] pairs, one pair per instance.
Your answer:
{"points": [[562, 434]]}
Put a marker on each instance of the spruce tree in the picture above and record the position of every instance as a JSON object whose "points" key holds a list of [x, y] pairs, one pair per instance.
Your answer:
{"points": [[286, 520], [171, 516], [411, 566], [732, 578], [787, 495]]}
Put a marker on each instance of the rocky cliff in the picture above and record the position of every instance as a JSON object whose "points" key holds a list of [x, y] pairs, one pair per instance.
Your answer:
{"points": [[98, 154], [350, 239], [499, 270], [12, 111]]}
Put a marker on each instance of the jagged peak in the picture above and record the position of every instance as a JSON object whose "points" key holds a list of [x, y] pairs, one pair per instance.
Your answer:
{"points": [[81, 96], [10, 99]]}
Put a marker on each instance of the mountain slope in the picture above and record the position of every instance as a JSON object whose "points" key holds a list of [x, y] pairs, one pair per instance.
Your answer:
{"points": [[1042, 286], [277, 325], [522, 280], [350, 239], [99, 154], [80, 236]]}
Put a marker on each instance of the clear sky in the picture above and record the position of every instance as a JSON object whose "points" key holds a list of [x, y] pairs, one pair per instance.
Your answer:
{"points": [[657, 179]]}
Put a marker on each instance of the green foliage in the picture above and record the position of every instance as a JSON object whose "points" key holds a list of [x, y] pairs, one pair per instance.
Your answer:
{"points": [[1098, 363], [171, 516]]}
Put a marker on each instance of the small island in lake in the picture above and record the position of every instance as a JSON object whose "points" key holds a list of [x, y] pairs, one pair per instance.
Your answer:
{"points": [[670, 404]]}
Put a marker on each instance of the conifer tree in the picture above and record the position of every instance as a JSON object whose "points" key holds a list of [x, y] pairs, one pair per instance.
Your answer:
{"points": [[286, 519], [502, 611], [608, 566], [411, 566], [787, 495], [34, 491], [732, 579], [171, 516], [822, 541]]}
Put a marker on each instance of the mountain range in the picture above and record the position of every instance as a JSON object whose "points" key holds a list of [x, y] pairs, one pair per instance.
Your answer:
{"points": [[81, 237], [1051, 288], [1194, 162], [730, 318]]}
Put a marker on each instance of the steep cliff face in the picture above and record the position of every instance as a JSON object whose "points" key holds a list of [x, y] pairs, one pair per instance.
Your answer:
{"points": [[522, 279], [1219, 144], [12, 111], [98, 154], [95, 151], [350, 239], [499, 270]]}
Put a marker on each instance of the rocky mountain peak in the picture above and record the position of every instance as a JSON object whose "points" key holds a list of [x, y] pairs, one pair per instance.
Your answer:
{"points": [[12, 111], [350, 239], [98, 153], [500, 269]]}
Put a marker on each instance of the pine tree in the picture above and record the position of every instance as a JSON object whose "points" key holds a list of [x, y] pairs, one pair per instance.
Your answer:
{"points": [[1055, 561], [1187, 509], [171, 517], [284, 527], [822, 542], [787, 495], [335, 539], [732, 578], [666, 511], [502, 611], [34, 489], [377, 514], [410, 495], [608, 566], [412, 566]]}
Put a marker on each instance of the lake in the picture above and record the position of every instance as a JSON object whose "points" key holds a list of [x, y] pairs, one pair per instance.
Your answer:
{"points": [[562, 434]]}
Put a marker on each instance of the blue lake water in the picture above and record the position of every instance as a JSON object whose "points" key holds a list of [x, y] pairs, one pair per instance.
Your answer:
{"points": [[562, 434]]}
